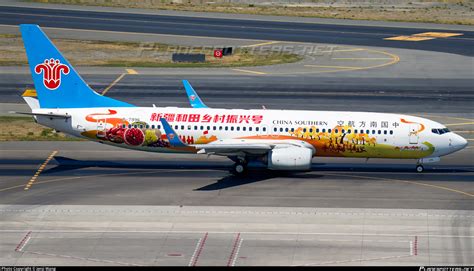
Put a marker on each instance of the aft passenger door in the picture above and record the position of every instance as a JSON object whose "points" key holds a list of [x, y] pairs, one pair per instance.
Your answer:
{"points": [[101, 128]]}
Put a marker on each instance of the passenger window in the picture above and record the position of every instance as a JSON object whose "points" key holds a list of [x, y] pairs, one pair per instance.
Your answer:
{"points": [[343, 131], [147, 126], [274, 129], [310, 130], [220, 128], [159, 126], [189, 127], [391, 132], [256, 129], [232, 128], [250, 129], [329, 130], [286, 129], [373, 132], [124, 126], [336, 131], [202, 127], [385, 132], [176, 127], [226, 128], [292, 130], [141, 126], [317, 130], [324, 130], [195, 127], [264, 129], [238, 128], [379, 132]]}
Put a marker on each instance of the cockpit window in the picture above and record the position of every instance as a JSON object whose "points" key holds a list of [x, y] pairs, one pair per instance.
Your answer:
{"points": [[440, 131]]}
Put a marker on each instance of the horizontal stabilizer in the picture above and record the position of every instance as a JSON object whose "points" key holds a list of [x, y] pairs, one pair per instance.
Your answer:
{"points": [[50, 115]]}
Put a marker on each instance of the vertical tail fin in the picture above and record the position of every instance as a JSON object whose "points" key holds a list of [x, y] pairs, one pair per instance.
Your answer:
{"points": [[57, 84]]}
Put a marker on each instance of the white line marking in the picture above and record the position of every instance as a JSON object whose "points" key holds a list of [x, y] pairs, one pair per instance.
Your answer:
{"points": [[24, 243], [358, 260], [250, 232], [195, 251], [237, 252]]}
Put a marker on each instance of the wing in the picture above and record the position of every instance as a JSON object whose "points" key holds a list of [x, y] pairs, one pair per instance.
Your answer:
{"points": [[233, 147], [193, 97], [244, 147]]}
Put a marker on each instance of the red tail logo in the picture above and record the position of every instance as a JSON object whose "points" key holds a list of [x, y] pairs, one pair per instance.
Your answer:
{"points": [[52, 70]]}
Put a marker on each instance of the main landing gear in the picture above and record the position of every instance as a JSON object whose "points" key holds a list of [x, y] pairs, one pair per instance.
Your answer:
{"points": [[240, 168], [419, 168]]}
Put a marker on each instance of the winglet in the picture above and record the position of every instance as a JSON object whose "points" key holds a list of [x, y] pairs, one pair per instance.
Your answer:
{"points": [[173, 138], [193, 97]]}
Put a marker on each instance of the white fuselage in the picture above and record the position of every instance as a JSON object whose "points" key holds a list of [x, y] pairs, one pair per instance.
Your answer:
{"points": [[332, 133]]}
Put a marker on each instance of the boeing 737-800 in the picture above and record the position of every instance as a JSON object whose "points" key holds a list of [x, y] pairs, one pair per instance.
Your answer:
{"points": [[280, 139]]}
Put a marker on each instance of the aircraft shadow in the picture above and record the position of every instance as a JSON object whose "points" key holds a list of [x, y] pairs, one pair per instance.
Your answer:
{"points": [[253, 177], [67, 164]]}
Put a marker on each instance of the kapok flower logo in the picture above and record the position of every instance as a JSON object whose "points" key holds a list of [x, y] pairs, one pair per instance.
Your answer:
{"points": [[52, 69]]}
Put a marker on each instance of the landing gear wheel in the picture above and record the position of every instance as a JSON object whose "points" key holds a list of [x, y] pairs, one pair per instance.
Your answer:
{"points": [[419, 168], [240, 169]]}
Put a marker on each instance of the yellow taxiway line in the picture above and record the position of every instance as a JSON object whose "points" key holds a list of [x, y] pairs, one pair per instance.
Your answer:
{"points": [[249, 71], [405, 181], [260, 44], [40, 169], [113, 84]]}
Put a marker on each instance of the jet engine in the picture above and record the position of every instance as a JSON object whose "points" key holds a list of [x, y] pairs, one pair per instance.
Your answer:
{"points": [[290, 158]]}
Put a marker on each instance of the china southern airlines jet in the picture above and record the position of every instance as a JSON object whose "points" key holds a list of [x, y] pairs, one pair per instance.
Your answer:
{"points": [[281, 139]]}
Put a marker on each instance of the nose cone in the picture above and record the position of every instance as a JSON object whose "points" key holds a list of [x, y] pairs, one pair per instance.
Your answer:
{"points": [[458, 142]]}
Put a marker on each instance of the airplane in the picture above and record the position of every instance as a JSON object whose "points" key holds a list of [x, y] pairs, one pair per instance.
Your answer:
{"points": [[279, 139]]}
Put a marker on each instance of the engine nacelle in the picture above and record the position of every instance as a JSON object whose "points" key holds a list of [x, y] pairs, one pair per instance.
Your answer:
{"points": [[290, 158]]}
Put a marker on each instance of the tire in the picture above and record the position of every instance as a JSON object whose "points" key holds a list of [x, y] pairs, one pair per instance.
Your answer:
{"points": [[420, 168], [239, 169]]}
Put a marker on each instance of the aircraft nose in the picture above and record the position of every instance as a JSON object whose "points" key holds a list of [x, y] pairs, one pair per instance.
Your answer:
{"points": [[459, 142]]}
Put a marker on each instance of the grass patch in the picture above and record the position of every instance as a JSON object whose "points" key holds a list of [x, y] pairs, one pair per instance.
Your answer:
{"points": [[132, 54], [16, 128], [427, 11]]}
